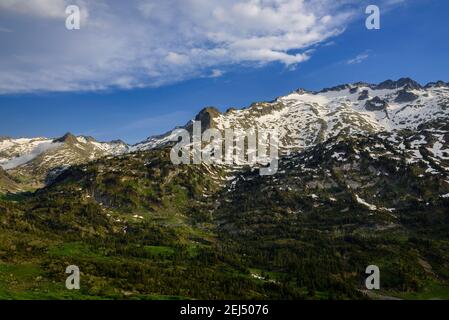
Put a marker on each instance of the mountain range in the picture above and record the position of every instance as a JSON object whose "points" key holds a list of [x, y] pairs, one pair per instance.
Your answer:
{"points": [[303, 119], [363, 179]]}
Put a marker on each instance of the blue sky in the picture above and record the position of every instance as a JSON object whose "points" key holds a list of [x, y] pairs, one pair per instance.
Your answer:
{"points": [[123, 100]]}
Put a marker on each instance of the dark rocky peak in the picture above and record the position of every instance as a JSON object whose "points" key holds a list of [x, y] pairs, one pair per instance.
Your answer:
{"points": [[336, 88], [361, 84], [118, 141], [438, 84], [363, 95], [67, 138], [376, 104], [89, 138], [206, 117], [353, 90], [355, 87], [302, 91], [390, 84], [230, 110], [405, 95]]}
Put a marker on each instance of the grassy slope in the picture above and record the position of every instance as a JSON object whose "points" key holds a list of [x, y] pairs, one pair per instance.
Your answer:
{"points": [[140, 228]]}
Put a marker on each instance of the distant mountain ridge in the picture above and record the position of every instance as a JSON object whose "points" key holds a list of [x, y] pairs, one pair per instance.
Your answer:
{"points": [[38, 159], [303, 119]]}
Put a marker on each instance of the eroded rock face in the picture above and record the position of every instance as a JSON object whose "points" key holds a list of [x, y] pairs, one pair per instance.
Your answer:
{"points": [[206, 117], [376, 104], [363, 95], [353, 90], [405, 95]]}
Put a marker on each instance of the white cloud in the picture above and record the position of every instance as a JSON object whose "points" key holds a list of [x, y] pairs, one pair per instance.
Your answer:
{"points": [[40, 8], [176, 58], [138, 43], [216, 73], [43, 8], [358, 59]]}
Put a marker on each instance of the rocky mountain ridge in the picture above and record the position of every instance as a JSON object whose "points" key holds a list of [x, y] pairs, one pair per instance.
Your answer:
{"points": [[35, 160], [302, 118]]}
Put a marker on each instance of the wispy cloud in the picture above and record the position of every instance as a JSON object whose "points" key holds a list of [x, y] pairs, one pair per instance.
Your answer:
{"points": [[216, 73], [136, 43], [358, 59]]}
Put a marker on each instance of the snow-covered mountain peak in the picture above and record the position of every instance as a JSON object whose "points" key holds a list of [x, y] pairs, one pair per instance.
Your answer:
{"points": [[305, 118], [37, 157]]}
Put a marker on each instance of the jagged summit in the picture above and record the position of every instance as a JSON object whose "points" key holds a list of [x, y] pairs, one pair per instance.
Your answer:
{"points": [[336, 88], [67, 138], [305, 118], [117, 141], [407, 83], [71, 138], [437, 84], [390, 84], [206, 117], [89, 138], [387, 84]]}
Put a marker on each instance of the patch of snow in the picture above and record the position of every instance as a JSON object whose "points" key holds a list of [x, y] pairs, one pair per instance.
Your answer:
{"points": [[363, 202]]}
